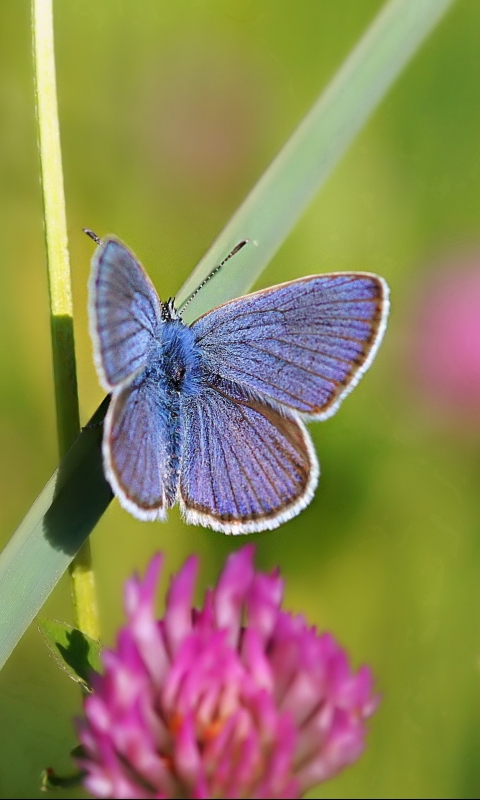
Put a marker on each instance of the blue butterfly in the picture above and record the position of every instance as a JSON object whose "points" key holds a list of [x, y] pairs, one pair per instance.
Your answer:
{"points": [[210, 415]]}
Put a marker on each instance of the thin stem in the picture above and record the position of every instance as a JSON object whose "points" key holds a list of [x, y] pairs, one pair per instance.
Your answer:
{"points": [[60, 290]]}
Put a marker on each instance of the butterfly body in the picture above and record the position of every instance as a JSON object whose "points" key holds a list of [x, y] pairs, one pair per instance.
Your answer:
{"points": [[210, 415], [175, 361]]}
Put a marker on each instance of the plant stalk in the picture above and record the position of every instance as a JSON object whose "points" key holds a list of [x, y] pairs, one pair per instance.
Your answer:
{"points": [[60, 289]]}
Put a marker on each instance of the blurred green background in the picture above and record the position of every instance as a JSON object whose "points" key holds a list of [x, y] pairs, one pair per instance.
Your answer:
{"points": [[169, 112]]}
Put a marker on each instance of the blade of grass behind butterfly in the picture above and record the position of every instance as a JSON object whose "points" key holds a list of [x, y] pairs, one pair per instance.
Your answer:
{"points": [[76, 496], [303, 165]]}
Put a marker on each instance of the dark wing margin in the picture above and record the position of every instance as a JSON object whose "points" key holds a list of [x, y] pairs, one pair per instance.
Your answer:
{"points": [[124, 312], [135, 451], [245, 467], [303, 344]]}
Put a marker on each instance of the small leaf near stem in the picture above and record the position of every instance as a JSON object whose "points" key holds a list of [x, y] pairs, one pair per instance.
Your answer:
{"points": [[52, 781], [74, 651]]}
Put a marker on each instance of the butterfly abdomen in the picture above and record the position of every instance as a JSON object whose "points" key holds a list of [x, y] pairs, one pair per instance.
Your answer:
{"points": [[172, 372]]}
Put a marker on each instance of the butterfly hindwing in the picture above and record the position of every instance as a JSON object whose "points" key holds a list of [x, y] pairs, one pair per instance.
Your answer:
{"points": [[304, 344], [245, 467], [124, 313], [137, 446]]}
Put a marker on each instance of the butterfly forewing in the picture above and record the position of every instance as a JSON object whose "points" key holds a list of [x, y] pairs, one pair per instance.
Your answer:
{"points": [[245, 467], [302, 344], [124, 313]]}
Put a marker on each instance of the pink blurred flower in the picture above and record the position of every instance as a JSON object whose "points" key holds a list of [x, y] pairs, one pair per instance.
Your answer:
{"points": [[238, 699], [446, 342]]}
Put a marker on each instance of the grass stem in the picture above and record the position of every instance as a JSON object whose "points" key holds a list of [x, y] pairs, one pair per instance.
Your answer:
{"points": [[60, 290]]}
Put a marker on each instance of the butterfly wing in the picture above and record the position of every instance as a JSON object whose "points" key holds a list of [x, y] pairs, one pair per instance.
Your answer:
{"points": [[124, 313], [303, 344], [245, 467], [137, 455]]}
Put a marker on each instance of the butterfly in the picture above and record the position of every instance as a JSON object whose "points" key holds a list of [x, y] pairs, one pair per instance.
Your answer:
{"points": [[211, 415]]}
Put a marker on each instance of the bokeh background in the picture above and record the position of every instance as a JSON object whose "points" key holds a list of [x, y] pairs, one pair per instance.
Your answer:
{"points": [[170, 110]]}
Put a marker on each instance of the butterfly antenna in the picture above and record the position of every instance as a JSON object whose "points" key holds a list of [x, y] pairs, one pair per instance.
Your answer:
{"points": [[212, 273], [92, 235]]}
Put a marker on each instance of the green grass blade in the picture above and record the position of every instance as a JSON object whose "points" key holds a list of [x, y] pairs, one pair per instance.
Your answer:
{"points": [[54, 529], [303, 165], [76, 496]]}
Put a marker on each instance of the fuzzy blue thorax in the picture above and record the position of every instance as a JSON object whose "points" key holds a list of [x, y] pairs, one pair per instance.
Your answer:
{"points": [[175, 358]]}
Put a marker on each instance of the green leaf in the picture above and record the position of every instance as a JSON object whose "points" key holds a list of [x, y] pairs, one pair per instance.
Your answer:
{"points": [[305, 162], [52, 781], [59, 521], [74, 651], [68, 508]]}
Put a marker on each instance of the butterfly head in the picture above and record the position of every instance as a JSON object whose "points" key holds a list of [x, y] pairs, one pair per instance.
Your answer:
{"points": [[169, 312]]}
